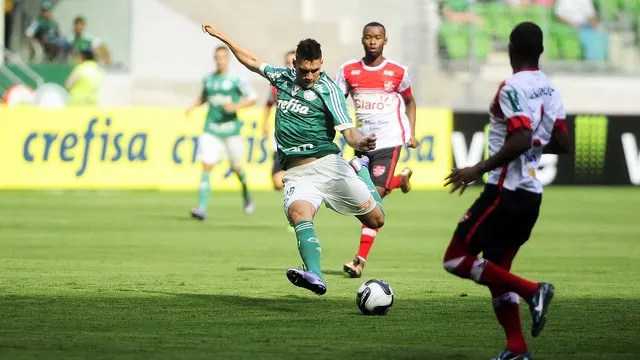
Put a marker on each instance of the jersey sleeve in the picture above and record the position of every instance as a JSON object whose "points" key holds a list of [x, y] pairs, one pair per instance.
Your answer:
{"points": [[32, 29], [512, 104], [246, 90], [341, 81], [336, 104], [405, 85], [272, 73], [560, 123]]}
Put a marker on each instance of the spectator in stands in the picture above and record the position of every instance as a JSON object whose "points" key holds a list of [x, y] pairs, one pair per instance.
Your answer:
{"points": [[80, 41], [84, 81], [581, 15], [44, 33], [459, 12], [8, 17]]}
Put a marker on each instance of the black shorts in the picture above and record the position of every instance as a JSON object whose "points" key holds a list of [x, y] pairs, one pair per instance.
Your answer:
{"points": [[382, 165], [499, 221], [276, 167]]}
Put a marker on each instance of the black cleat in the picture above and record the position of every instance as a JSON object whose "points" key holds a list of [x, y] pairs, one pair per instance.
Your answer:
{"points": [[539, 305], [508, 355]]}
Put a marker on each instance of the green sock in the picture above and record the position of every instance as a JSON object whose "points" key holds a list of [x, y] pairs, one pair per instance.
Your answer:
{"points": [[205, 190], [364, 175], [245, 190], [308, 246]]}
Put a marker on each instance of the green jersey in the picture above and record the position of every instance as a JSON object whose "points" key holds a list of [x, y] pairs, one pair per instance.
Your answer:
{"points": [[306, 120], [218, 90], [82, 42], [47, 30]]}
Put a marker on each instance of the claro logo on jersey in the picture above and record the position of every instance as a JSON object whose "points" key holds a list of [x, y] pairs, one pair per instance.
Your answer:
{"points": [[373, 102], [294, 106]]}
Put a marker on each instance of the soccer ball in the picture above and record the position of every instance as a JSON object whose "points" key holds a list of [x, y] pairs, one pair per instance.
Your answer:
{"points": [[375, 297]]}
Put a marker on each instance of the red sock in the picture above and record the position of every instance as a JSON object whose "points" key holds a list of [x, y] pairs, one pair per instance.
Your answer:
{"points": [[507, 308], [396, 182], [494, 275], [508, 316], [367, 238]]}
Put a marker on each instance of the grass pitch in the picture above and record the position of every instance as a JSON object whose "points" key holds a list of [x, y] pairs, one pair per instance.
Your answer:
{"points": [[128, 275]]}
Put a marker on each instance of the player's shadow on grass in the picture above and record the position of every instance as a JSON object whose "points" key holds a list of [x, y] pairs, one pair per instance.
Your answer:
{"points": [[130, 322], [283, 270]]}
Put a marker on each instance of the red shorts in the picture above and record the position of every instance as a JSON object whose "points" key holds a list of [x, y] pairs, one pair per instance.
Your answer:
{"points": [[499, 221]]}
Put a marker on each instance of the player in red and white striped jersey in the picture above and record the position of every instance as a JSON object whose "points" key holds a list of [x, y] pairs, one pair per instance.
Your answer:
{"points": [[527, 119], [276, 170], [384, 105]]}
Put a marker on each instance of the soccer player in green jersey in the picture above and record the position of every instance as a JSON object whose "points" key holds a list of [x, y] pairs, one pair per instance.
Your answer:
{"points": [[309, 110], [225, 94]]}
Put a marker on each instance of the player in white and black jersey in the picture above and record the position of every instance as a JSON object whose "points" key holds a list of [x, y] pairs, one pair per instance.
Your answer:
{"points": [[527, 118]]}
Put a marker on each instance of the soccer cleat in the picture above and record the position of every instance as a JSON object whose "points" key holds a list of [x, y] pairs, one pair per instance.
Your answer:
{"points": [[539, 305], [406, 180], [199, 213], [354, 268], [358, 162], [307, 280], [508, 355], [249, 207]]}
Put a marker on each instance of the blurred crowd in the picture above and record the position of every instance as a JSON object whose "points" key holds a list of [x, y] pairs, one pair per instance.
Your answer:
{"points": [[581, 16], [48, 42]]}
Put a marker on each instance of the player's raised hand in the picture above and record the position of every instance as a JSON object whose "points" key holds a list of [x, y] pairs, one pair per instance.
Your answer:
{"points": [[461, 178], [210, 29], [367, 143]]}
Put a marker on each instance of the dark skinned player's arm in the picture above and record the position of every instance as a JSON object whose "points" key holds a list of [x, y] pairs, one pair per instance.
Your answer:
{"points": [[560, 142], [410, 105], [518, 141]]}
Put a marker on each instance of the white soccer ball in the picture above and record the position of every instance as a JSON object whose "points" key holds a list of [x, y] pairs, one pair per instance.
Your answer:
{"points": [[375, 297]]}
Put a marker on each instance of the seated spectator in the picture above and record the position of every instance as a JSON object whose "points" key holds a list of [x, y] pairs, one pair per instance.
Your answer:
{"points": [[44, 32], [458, 12], [582, 17], [80, 41]]}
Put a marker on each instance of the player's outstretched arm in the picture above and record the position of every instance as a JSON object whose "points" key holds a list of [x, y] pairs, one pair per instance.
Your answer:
{"points": [[354, 138], [246, 57], [517, 142]]}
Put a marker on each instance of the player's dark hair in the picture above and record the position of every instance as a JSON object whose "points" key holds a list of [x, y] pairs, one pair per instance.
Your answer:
{"points": [[308, 49], [526, 42], [79, 19], [375, 24], [222, 48]]}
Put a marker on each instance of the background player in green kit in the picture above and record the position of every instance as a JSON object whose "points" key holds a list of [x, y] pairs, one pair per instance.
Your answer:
{"points": [[225, 94], [310, 109]]}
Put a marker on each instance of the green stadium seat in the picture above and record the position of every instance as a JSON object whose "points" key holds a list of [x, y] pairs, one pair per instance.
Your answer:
{"points": [[458, 39], [551, 48], [567, 40], [609, 9]]}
